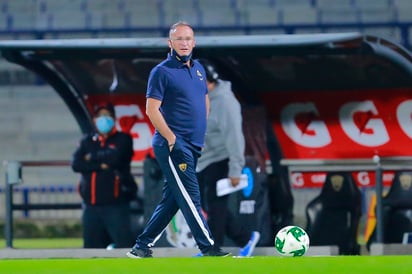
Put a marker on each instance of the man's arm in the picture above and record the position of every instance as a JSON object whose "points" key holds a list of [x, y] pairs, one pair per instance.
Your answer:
{"points": [[158, 121], [231, 127], [80, 163], [207, 106], [120, 155]]}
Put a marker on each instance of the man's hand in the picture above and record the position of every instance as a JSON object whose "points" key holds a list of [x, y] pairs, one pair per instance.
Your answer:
{"points": [[234, 181], [171, 147], [171, 142], [87, 157]]}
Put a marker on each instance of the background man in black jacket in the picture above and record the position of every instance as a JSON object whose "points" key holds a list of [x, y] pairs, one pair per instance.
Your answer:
{"points": [[106, 186]]}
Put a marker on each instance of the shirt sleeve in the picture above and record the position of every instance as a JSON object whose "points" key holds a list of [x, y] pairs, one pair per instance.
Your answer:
{"points": [[157, 84]]}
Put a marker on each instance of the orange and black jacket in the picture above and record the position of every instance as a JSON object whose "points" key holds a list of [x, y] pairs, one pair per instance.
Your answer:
{"points": [[105, 186]]}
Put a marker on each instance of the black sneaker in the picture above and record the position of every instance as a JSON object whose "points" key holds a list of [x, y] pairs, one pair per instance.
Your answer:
{"points": [[216, 252], [138, 253]]}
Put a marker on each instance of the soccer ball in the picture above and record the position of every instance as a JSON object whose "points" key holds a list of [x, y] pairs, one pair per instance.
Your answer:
{"points": [[292, 241]]}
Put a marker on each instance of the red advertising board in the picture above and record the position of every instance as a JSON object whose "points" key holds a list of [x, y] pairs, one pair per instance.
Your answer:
{"points": [[341, 125], [316, 179]]}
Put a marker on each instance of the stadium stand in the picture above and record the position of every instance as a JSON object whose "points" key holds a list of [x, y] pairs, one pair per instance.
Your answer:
{"points": [[141, 15], [174, 9], [224, 16], [294, 3], [404, 10], [376, 4], [257, 15], [128, 18], [299, 15]]}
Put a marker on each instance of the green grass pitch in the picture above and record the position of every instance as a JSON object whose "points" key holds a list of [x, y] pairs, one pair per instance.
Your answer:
{"points": [[210, 265], [45, 243]]}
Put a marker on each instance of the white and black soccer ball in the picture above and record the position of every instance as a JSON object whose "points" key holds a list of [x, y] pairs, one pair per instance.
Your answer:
{"points": [[292, 241]]}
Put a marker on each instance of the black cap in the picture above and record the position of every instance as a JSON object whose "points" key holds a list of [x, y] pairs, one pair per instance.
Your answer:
{"points": [[211, 73], [107, 106]]}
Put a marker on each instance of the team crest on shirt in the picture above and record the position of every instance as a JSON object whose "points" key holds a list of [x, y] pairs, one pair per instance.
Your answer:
{"points": [[200, 75], [183, 167]]}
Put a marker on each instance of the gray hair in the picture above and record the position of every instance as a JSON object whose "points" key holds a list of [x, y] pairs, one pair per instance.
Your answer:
{"points": [[178, 24]]}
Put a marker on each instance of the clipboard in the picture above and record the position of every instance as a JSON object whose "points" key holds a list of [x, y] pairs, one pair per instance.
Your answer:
{"points": [[224, 187]]}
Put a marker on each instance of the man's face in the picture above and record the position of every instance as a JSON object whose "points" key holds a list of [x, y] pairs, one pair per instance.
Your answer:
{"points": [[182, 40]]}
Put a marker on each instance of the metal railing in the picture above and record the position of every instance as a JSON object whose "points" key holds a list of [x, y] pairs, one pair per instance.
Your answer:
{"points": [[14, 176], [14, 172]]}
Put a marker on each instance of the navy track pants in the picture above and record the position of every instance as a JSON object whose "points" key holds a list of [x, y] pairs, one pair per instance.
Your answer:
{"points": [[180, 191]]}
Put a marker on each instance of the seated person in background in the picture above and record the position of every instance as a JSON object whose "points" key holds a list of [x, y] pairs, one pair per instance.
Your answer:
{"points": [[103, 159], [223, 157]]}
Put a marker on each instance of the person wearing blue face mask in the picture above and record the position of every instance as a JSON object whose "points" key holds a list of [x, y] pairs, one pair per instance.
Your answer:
{"points": [[103, 159], [104, 124]]}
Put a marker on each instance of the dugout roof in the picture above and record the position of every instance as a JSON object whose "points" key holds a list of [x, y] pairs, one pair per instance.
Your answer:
{"points": [[255, 64]]}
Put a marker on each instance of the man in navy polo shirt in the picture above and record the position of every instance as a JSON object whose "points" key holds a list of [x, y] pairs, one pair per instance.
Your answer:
{"points": [[177, 105]]}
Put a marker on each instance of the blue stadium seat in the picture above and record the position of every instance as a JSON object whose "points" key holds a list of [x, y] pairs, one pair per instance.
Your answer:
{"points": [[242, 5], [172, 5], [4, 22], [299, 15], [260, 15], [375, 4], [114, 19], [334, 4], [368, 15], [100, 5], [293, 3], [21, 21], [404, 9], [17, 14], [68, 20], [56, 6], [143, 18], [17, 6], [339, 15], [175, 10], [212, 4], [226, 15], [219, 17]]}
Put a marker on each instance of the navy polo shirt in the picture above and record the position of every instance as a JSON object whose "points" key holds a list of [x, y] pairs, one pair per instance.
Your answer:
{"points": [[182, 91]]}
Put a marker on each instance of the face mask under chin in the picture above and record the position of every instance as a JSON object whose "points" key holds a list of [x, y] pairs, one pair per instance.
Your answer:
{"points": [[181, 58]]}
